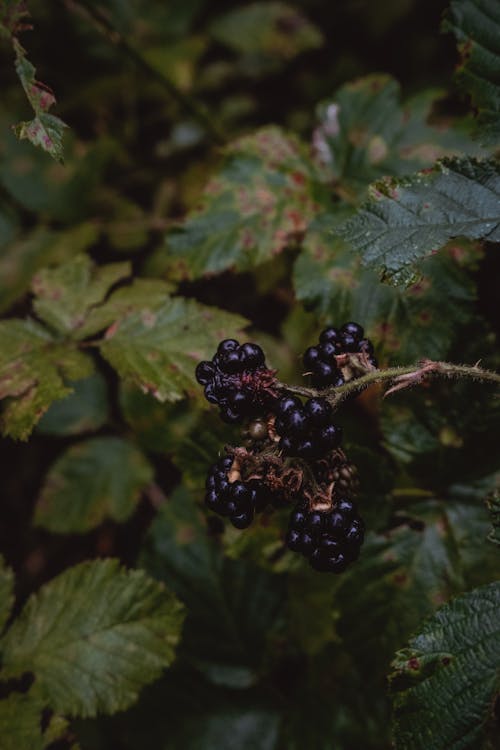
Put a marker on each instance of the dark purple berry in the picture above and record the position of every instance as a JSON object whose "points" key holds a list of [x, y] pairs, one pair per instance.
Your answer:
{"points": [[318, 411], [354, 329], [242, 520], [296, 422], [329, 334], [349, 343], [355, 532], [328, 350], [286, 404], [229, 416], [210, 394], [228, 345], [310, 357], [204, 372], [230, 362], [293, 540], [287, 445], [336, 523], [298, 519], [251, 356], [345, 506]]}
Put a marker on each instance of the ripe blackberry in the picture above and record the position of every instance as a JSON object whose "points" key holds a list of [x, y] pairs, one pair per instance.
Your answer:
{"points": [[238, 500], [330, 540], [237, 380], [306, 431], [320, 359]]}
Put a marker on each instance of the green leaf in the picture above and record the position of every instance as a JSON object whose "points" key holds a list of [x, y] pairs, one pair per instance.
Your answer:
{"points": [[86, 409], [476, 25], [20, 722], [65, 295], [21, 258], [407, 220], [444, 684], [436, 551], [6, 593], [233, 608], [404, 324], [365, 133], [158, 349], [139, 295], [93, 480], [93, 637], [260, 202], [45, 130], [270, 29], [34, 372]]}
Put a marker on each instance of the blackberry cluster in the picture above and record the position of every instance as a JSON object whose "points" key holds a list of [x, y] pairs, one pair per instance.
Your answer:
{"points": [[320, 359], [236, 379], [238, 500], [330, 540], [306, 431]]}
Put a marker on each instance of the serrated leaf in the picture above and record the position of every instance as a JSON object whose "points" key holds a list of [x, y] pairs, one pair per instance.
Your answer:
{"points": [[64, 296], [93, 637], [404, 324], [365, 133], [158, 349], [476, 25], [93, 480], [233, 608], [20, 722], [139, 295], [34, 371], [445, 682], [261, 201], [45, 129], [21, 258], [403, 575], [408, 220], [85, 409], [6, 593], [271, 29]]}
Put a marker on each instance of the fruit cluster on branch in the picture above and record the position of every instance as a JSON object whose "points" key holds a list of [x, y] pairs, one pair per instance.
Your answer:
{"points": [[292, 454]]}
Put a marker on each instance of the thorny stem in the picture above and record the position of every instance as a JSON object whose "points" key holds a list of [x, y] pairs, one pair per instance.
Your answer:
{"points": [[107, 29], [397, 379]]}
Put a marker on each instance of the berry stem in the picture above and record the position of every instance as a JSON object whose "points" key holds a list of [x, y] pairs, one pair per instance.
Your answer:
{"points": [[397, 378]]}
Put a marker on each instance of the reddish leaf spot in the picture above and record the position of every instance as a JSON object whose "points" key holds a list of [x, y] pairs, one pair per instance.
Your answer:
{"points": [[413, 663]]}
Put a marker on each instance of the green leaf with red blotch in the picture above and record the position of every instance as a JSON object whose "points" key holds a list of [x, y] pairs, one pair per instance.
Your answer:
{"points": [[35, 370], [45, 129], [66, 295], [158, 348], [446, 682], [476, 25], [260, 202]]}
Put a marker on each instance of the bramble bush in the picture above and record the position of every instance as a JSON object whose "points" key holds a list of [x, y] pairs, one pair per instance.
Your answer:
{"points": [[319, 567]]}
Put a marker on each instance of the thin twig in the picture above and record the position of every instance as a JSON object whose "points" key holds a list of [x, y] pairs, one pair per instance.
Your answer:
{"points": [[106, 28], [397, 378]]}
